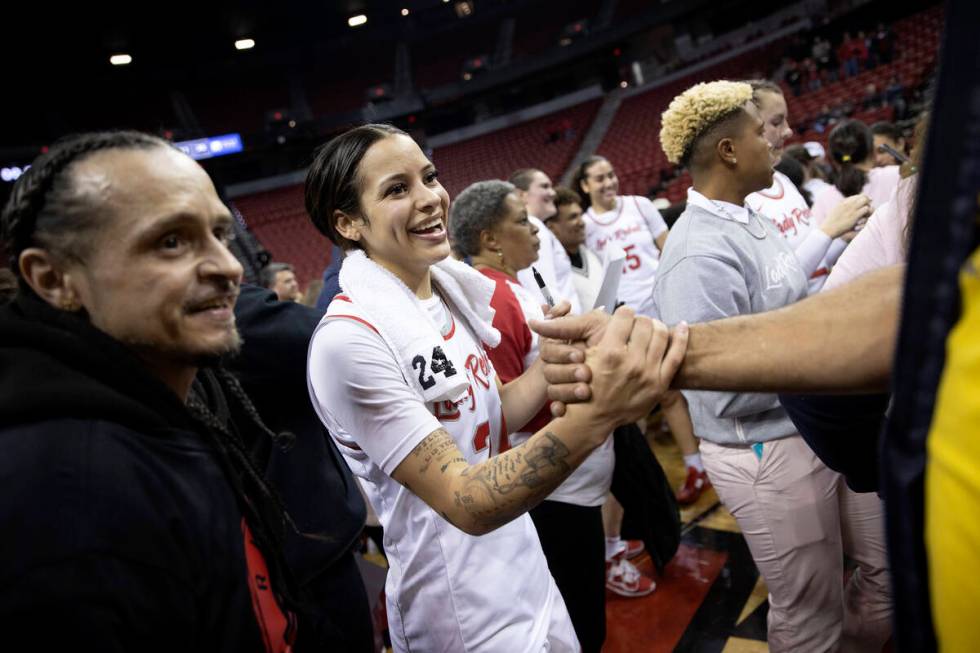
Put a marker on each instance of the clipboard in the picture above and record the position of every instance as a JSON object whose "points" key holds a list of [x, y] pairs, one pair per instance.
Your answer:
{"points": [[613, 266]]}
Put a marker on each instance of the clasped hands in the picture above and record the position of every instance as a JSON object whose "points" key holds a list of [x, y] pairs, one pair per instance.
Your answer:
{"points": [[623, 363]]}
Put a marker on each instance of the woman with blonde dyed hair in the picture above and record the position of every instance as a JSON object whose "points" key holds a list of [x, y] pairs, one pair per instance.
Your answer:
{"points": [[724, 259]]}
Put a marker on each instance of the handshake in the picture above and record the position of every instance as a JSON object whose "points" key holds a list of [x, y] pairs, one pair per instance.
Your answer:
{"points": [[623, 363]]}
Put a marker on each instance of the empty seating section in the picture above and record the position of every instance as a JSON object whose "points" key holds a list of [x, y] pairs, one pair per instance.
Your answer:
{"points": [[238, 107], [633, 145], [438, 60], [279, 221], [496, 155], [342, 87], [540, 27]]}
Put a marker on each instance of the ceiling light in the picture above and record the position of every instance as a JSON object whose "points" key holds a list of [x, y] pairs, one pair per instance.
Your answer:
{"points": [[120, 59], [244, 44], [357, 20], [404, 12]]}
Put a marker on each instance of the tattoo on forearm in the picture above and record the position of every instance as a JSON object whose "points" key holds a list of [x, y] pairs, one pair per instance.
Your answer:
{"points": [[537, 467], [503, 487], [433, 449]]}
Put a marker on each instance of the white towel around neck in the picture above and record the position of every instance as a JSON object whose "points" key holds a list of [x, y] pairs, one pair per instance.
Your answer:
{"points": [[405, 325]]}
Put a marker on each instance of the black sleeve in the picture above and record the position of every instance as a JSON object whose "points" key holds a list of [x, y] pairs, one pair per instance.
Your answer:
{"points": [[319, 491], [275, 338], [844, 431], [98, 603]]}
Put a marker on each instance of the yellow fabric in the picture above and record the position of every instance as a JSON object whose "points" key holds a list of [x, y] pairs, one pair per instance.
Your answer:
{"points": [[953, 480]]}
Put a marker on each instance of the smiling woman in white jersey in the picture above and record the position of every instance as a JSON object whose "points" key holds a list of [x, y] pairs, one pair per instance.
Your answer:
{"points": [[629, 222], [816, 246], [399, 376]]}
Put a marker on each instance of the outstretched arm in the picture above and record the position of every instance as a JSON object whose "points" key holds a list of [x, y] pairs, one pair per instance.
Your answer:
{"points": [[838, 341], [632, 366]]}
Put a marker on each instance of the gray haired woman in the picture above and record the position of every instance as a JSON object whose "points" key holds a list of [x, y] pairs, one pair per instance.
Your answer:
{"points": [[488, 223]]}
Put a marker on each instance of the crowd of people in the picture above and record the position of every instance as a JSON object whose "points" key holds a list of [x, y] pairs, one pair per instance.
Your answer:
{"points": [[809, 65], [192, 455]]}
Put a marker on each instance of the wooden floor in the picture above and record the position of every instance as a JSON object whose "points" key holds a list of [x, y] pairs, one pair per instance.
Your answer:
{"points": [[710, 597]]}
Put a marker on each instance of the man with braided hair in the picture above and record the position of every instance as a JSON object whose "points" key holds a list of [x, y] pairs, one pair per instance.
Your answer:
{"points": [[136, 517]]}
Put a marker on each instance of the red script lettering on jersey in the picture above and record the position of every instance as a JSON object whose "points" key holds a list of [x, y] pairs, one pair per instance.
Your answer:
{"points": [[619, 234]]}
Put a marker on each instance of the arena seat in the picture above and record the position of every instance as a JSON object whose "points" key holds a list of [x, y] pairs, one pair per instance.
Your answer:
{"points": [[278, 219], [496, 155]]}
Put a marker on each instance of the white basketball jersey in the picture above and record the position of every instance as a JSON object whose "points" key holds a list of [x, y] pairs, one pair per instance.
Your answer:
{"points": [[783, 204], [634, 225], [446, 590]]}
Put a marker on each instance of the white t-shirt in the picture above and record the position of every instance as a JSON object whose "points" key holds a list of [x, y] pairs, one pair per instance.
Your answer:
{"points": [[446, 590], [588, 278], [589, 484], [555, 269], [815, 185], [879, 187], [634, 225], [783, 204]]}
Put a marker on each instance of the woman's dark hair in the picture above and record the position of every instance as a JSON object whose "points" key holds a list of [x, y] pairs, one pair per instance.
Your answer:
{"points": [[793, 169], [581, 175], [332, 182], [887, 129], [850, 143], [47, 209]]}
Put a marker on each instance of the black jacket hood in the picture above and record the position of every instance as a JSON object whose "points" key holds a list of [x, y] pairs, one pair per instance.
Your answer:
{"points": [[55, 364]]}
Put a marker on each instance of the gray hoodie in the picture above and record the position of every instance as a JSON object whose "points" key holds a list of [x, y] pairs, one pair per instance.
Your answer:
{"points": [[721, 260]]}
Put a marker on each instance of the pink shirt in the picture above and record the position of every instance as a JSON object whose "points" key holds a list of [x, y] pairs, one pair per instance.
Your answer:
{"points": [[880, 187], [882, 241]]}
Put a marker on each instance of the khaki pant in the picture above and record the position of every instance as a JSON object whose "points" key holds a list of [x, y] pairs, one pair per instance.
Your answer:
{"points": [[799, 520]]}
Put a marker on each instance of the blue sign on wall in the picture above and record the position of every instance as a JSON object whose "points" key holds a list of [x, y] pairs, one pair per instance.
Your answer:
{"points": [[205, 148]]}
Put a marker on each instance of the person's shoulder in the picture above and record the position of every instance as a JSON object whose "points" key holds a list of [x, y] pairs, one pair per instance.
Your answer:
{"points": [[828, 193], [887, 174], [698, 232], [344, 316], [97, 476], [347, 346], [506, 302]]}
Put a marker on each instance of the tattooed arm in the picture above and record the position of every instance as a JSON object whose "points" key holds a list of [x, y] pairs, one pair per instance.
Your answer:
{"points": [[479, 498], [634, 366]]}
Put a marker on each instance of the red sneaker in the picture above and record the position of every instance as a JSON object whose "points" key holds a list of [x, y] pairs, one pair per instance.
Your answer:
{"points": [[633, 549], [624, 579], [695, 483]]}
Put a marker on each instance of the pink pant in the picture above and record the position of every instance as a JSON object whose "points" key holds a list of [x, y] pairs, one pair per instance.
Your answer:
{"points": [[800, 520]]}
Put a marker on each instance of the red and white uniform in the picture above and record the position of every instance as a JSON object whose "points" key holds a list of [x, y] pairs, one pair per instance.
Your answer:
{"points": [[518, 349], [633, 225], [783, 204], [446, 590]]}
